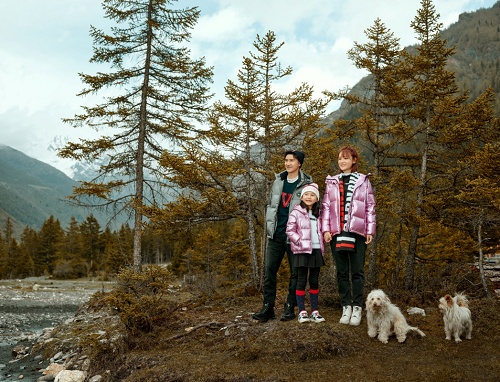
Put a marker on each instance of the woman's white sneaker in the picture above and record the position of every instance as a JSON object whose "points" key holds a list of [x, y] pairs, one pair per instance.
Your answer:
{"points": [[356, 316], [346, 314]]}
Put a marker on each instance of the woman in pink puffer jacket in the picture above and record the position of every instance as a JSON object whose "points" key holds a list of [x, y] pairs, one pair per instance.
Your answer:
{"points": [[348, 224], [306, 241]]}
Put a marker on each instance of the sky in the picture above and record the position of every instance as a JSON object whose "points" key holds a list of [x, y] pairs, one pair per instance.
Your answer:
{"points": [[45, 44]]}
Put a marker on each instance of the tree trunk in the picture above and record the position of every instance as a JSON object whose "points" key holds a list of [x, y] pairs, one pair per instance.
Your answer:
{"points": [[409, 275], [267, 162], [139, 181], [372, 262], [398, 258], [254, 260], [481, 255]]}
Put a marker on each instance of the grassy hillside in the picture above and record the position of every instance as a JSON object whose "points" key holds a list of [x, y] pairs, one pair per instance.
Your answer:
{"points": [[31, 191]]}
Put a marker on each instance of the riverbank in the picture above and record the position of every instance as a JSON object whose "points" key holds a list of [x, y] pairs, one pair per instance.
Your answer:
{"points": [[27, 307]]}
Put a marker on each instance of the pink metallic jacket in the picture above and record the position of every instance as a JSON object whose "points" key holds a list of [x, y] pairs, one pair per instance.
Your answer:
{"points": [[361, 219], [298, 230]]}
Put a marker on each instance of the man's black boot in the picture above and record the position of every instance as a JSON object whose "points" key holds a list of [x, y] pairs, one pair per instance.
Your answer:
{"points": [[288, 312], [267, 313]]}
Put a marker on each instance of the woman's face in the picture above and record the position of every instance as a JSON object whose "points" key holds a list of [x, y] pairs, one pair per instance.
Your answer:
{"points": [[345, 162]]}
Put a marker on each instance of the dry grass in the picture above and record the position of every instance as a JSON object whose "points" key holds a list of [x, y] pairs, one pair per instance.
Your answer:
{"points": [[289, 351]]}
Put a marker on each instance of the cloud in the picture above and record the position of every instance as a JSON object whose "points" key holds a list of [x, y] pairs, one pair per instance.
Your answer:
{"points": [[44, 50], [228, 24], [282, 16]]}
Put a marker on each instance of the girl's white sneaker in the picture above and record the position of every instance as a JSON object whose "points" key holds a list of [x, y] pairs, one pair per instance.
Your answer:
{"points": [[303, 317], [316, 317]]}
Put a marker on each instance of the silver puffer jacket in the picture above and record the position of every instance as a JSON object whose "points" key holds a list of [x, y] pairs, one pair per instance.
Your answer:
{"points": [[275, 198]]}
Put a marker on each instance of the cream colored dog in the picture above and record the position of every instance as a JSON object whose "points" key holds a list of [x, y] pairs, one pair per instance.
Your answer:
{"points": [[384, 318], [456, 316]]}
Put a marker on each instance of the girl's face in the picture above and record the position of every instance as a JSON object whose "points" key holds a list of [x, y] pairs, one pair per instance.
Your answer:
{"points": [[309, 198], [346, 162]]}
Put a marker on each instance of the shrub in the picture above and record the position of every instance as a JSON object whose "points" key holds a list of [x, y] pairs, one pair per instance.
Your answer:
{"points": [[139, 298]]}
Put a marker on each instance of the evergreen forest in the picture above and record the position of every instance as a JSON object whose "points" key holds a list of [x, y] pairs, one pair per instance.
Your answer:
{"points": [[195, 174]]}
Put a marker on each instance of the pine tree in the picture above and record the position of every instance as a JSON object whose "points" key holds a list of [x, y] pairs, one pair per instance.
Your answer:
{"points": [[10, 249], [228, 178], [92, 246], [28, 248], [49, 239], [24, 265], [163, 92], [474, 207], [432, 93], [227, 172], [71, 250], [378, 105], [284, 120], [115, 260], [3, 257], [236, 261], [125, 243]]}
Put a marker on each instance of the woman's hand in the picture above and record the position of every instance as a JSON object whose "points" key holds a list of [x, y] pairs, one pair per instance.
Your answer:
{"points": [[327, 236], [369, 239]]}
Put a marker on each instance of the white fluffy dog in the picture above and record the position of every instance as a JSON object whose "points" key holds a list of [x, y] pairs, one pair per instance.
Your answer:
{"points": [[456, 316], [384, 318]]}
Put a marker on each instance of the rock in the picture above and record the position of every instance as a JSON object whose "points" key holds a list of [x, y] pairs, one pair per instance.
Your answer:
{"points": [[58, 356], [416, 311], [86, 364], [54, 369], [96, 378], [70, 376], [48, 377], [19, 351]]}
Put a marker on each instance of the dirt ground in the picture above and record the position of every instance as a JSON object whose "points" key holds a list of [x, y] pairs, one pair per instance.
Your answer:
{"points": [[236, 348], [215, 339]]}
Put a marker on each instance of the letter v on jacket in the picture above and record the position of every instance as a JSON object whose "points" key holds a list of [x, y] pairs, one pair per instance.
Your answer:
{"points": [[298, 230], [361, 218]]}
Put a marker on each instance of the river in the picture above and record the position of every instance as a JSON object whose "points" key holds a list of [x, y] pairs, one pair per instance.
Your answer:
{"points": [[28, 306]]}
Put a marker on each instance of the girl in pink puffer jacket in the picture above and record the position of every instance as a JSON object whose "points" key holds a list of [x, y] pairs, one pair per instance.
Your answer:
{"points": [[306, 241], [348, 224]]}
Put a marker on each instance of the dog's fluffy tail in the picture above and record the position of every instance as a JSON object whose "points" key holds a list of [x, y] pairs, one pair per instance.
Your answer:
{"points": [[461, 300], [416, 330]]}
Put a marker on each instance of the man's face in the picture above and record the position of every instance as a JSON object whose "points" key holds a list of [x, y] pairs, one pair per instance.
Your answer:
{"points": [[291, 163]]}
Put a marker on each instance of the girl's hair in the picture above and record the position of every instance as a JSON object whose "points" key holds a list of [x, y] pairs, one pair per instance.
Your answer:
{"points": [[349, 151], [314, 209]]}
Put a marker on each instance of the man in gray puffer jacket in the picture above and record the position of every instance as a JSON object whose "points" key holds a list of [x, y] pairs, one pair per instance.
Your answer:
{"points": [[285, 194]]}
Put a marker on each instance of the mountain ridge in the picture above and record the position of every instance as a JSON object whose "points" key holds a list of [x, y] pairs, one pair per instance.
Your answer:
{"points": [[476, 62], [31, 191]]}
